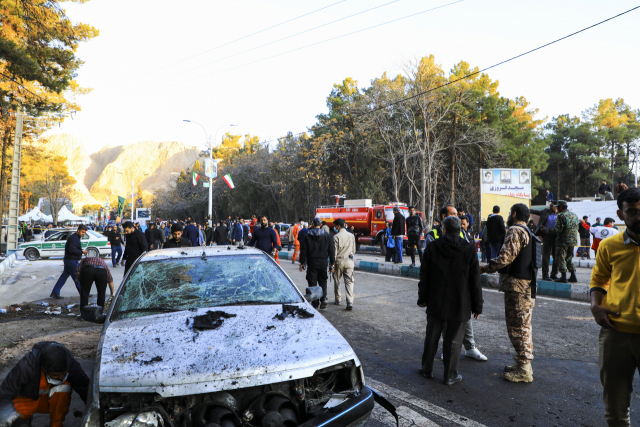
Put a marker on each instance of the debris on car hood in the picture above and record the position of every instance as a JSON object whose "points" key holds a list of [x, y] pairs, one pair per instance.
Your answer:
{"points": [[210, 320], [292, 310]]}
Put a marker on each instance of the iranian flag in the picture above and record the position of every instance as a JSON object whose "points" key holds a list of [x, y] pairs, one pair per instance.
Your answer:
{"points": [[195, 179], [229, 181]]}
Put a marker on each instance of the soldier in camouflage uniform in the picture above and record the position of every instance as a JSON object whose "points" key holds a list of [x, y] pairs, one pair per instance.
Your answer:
{"points": [[518, 302], [566, 231]]}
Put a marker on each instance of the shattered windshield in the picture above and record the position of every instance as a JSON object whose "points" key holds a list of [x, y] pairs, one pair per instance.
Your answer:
{"points": [[176, 284]]}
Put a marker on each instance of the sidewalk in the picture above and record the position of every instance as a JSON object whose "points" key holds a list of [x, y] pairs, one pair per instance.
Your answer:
{"points": [[375, 263]]}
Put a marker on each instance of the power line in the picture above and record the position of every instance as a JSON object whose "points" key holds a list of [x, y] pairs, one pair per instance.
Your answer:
{"points": [[471, 74], [327, 40], [233, 41], [279, 40]]}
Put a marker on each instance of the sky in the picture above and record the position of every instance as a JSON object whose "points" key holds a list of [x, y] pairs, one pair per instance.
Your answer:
{"points": [[158, 62]]}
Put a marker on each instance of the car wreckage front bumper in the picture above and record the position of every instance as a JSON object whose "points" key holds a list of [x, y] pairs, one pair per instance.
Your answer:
{"points": [[351, 413]]}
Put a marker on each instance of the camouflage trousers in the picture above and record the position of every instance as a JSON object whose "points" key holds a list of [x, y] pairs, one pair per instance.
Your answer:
{"points": [[564, 254], [518, 308]]}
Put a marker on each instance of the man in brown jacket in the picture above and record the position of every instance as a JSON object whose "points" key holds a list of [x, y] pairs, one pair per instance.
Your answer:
{"points": [[345, 244]]}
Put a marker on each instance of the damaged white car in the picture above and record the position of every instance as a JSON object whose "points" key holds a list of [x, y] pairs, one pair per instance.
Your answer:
{"points": [[221, 338]]}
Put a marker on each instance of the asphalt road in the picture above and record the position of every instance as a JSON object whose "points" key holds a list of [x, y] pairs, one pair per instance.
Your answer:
{"points": [[387, 329]]}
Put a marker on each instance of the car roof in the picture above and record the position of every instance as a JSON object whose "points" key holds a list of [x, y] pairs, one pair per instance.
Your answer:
{"points": [[196, 251]]}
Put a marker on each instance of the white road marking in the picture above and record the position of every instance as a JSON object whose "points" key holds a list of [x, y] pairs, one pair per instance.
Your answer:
{"points": [[400, 395], [408, 417]]}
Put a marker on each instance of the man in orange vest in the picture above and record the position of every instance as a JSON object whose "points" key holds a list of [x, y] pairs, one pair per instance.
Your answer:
{"points": [[296, 243], [276, 257], [41, 383]]}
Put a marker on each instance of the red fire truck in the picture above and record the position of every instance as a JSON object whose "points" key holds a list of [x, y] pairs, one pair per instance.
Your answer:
{"points": [[367, 219]]}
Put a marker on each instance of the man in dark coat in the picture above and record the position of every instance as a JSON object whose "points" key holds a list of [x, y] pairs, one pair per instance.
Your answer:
{"points": [[264, 237], [136, 245], [176, 240], [495, 231], [450, 289], [316, 247], [72, 256], [192, 233], [238, 233], [42, 382], [153, 236], [221, 234], [398, 231], [208, 234]]}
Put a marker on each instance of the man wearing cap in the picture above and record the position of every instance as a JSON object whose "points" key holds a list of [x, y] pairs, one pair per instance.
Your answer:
{"points": [[585, 237], [41, 383], [566, 231], [136, 245], [345, 248], [176, 240], [598, 223], [315, 248]]}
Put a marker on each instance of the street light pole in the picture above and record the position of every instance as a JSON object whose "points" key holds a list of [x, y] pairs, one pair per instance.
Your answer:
{"points": [[210, 142]]}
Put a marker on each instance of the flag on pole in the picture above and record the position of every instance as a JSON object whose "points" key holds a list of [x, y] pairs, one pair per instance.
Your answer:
{"points": [[195, 179], [229, 181], [121, 201]]}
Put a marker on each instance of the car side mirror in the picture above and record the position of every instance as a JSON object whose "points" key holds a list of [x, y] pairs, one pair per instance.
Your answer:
{"points": [[92, 313], [314, 293]]}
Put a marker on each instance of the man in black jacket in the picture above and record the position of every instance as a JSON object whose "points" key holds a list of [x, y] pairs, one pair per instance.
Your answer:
{"points": [[264, 237], [495, 231], [221, 234], [546, 221], [115, 240], [397, 231], [315, 248], [136, 245], [41, 383], [605, 191], [450, 289], [414, 230], [176, 240], [585, 238], [72, 256]]}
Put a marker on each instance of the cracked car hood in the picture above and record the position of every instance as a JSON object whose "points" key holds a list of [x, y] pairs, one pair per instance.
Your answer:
{"points": [[162, 354]]}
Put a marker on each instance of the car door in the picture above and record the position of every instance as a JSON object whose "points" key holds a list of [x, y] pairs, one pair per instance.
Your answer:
{"points": [[54, 245]]}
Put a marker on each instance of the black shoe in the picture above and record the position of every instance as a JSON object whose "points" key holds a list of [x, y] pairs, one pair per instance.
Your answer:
{"points": [[573, 278], [55, 296], [323, 305], [554, 277], [453, 380], [425, 373], [349, 307], [413, 264], [547, 279], [562, 279]]}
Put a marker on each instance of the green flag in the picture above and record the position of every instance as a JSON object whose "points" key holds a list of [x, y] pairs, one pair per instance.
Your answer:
{"points": [[120, 206]]}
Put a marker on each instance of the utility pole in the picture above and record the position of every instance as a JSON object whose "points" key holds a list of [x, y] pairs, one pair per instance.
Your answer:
{"points": [[14, 201], [132, 201]]}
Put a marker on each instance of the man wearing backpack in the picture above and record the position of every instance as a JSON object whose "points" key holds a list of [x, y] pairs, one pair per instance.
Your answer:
{"points": [[517, 263]]}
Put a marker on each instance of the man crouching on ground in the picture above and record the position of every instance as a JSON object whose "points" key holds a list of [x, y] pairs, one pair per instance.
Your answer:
{"points": [[41, 383], [450, 289]]}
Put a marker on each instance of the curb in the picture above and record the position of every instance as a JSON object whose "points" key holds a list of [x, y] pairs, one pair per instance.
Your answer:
{"points": [[574, 291], [8, 262]]}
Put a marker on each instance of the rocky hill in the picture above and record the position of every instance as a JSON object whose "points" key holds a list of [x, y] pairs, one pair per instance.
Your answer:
{"points": [[110, 171]]}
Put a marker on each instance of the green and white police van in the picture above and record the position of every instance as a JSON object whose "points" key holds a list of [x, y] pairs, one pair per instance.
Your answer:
{"points": [[93, 242]]}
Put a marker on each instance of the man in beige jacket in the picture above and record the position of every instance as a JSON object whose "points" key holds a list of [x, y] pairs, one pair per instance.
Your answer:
{"points": [[345, 244]]}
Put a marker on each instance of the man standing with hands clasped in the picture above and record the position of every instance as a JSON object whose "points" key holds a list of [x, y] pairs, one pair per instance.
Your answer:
{"points": [[345, 246], [450, 289], [614, 303], [517, 263]]}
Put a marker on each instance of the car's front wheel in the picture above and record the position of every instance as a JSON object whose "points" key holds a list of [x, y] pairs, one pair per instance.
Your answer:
{"points": [[31, 254], [93, 253]]}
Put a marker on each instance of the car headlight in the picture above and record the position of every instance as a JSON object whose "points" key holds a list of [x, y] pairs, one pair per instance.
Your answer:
{"points": [[142, 419]]}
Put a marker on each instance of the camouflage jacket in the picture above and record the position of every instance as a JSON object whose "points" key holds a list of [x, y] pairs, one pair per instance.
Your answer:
{"points": [[514, 241], [566, 229]]}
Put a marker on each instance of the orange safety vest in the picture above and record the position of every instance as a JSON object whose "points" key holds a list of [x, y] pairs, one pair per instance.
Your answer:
{"points": [[294, 233]]}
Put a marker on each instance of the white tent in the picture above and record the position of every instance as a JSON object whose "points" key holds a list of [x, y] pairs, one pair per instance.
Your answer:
{"points": [[35, 215], [65, 214]]}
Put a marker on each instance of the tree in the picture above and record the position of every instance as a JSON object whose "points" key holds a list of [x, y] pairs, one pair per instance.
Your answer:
{"points": [[54, 182], [87, 209]]}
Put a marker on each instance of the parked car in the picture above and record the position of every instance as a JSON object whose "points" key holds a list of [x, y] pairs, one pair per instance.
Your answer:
{"points": [[217, 337], [95, 243]]}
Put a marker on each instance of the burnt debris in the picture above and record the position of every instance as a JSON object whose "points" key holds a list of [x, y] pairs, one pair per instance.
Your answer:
{"points": [[293, 310], [210, 320], [153, 360]]}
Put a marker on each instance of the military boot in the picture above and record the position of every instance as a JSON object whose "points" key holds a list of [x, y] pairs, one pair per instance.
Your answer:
{"points": [[522, 374], [511, 368], [562, 279], [573, 278]]}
